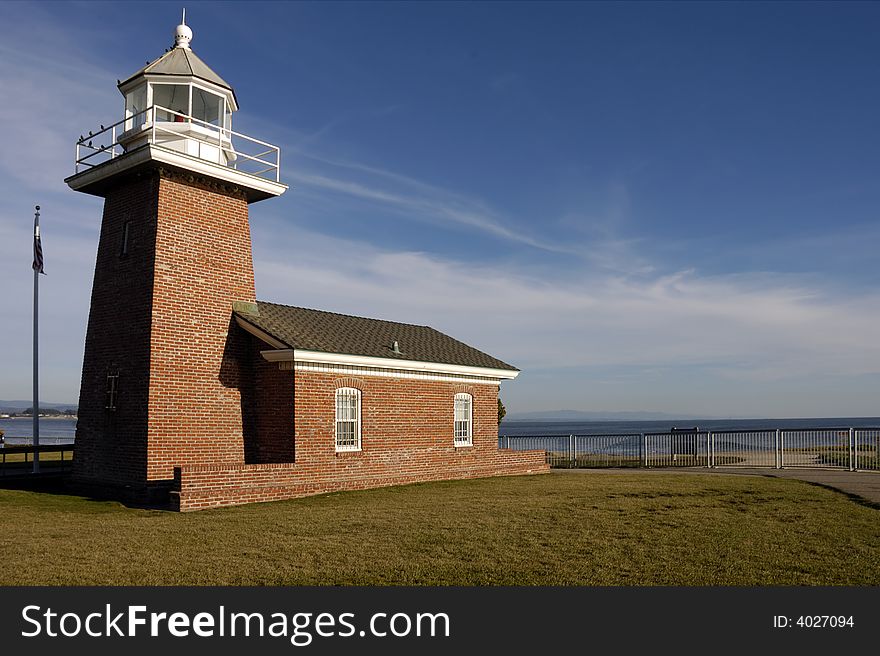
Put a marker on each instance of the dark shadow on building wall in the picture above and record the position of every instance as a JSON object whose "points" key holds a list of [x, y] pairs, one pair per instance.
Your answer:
{"points": [[266, 398]]}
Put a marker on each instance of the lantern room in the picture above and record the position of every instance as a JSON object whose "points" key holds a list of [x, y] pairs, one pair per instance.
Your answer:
{"points": [[191, 105], [178, 111]]}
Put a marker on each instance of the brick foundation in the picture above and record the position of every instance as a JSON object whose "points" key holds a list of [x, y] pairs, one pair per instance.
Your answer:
{"points": [[198, 488]]}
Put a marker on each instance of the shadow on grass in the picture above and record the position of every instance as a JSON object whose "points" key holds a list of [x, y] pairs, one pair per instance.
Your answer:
{"points": [[855, 498], [59, 483]]}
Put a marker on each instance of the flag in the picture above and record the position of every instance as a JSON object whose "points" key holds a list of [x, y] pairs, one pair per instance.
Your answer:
{"points": [[38, 247]]}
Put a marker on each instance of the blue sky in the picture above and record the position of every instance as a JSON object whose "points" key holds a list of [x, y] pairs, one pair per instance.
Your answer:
{"points": [[663, 207]]}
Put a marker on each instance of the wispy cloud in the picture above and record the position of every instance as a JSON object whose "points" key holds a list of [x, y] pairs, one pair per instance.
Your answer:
{"points": [[51, 93], [49, 99], [756, 322], [439, 208]]}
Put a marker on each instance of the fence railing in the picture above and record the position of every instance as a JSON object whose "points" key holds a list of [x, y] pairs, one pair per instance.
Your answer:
{"points": [[19, 460], [173, 130], [853, 449]]}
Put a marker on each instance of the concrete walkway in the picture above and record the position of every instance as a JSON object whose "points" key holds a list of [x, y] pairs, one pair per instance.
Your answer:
{"points": [[865, 485]]}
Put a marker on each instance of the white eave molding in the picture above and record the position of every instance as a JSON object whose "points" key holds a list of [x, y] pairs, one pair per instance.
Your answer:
{"points": [[344, 359], [152, 152]]}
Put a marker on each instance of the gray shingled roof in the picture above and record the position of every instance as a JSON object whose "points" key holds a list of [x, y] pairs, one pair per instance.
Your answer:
{"points": [[180, 61], [328, 332]]}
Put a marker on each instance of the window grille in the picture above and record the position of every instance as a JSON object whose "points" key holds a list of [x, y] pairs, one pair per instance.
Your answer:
{"points": [[348, 419], [463, 420], [112, 390]]}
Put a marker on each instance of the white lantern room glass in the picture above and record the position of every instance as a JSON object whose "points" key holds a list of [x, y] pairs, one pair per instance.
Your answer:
{"points": [[207, 106], [174, 97], [135, 103]]}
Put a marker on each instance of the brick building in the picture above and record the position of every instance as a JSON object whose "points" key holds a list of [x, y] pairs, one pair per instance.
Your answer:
{"points": [[192, 390]]}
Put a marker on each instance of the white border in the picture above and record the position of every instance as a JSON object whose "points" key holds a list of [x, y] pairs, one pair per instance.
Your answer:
{"points": [[317, 357], [341, 370], [152, 152]]}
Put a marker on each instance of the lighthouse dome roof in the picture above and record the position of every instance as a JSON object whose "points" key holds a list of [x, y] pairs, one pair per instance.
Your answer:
{"points": [[180, 61]]}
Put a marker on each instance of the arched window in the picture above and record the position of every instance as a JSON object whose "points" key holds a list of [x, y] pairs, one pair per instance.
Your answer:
{"points": [[463, 420], [348, 419]]}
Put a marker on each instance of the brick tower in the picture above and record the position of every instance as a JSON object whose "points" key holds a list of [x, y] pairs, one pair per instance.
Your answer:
{"points": [[162, 369]]}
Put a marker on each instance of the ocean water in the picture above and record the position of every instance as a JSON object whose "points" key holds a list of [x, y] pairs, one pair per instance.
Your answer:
{"points": [[513, 428], [623, 438], [62, 431], [19, 430]]}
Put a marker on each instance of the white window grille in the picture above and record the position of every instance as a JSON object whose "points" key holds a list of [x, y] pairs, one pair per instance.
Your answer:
{"points": [[348, 419], [463, 420]]}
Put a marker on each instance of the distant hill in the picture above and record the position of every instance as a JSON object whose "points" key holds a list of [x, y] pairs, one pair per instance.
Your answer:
{"points": [[19, 406], [580, 415]]}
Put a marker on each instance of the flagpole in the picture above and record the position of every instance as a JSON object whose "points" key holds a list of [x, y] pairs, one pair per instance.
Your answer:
{"points": [[38, 267]]}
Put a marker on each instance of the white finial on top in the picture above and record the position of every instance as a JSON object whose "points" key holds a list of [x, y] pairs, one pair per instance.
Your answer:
{"points": [[182, 34]]}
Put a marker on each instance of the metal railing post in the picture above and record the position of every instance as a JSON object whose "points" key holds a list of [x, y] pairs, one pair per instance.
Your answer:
{"points": [[781, 443], [644, 450], [852, 450], [508, 441], [777, 453], [571, 451], [708, 450]]}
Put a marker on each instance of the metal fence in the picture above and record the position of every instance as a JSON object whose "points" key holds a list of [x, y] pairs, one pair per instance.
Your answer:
{"points": [[19, 460], [853, 449]]}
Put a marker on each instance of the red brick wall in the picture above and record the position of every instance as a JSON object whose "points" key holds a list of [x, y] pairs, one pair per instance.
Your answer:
{"points": [[111, 446], [400, 418], [203, 264], [269, 420], [407, 436], [161, 315], [198, 488]]}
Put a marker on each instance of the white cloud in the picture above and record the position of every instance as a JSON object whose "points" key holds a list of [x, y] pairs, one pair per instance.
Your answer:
{"points": [[51, 93], [758, 324], [440, 207]]}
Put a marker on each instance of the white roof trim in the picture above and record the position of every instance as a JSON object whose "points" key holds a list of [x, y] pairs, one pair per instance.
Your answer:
{"points": [[152, 152], [298, 355]]}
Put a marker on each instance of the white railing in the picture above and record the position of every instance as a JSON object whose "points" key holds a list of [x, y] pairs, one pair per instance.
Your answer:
{"points": [[853, 449], [174, 131]]}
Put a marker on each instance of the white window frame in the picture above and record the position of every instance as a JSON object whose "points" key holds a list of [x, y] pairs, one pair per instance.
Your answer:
{"points": [[463, 436], [347, 392]]}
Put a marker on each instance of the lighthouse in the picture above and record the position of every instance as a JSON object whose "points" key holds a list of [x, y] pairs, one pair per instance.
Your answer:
{"points": [[197, 394], [163, 366]]}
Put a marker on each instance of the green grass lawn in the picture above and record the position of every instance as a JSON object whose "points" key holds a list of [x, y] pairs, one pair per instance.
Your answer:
{"points": [[567, 528]]}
